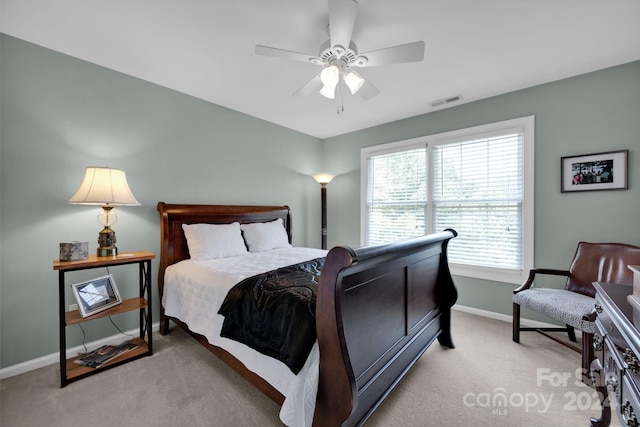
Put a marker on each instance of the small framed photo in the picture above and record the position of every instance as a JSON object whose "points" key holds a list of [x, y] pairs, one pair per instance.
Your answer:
{"points": [[599, 171], [96, 295]]}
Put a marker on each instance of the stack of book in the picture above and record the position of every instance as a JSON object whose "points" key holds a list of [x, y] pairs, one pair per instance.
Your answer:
{"points": [[104, 354]]}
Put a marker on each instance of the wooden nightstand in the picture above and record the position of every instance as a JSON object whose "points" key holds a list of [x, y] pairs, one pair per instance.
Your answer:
{"points": [[70, 371]]}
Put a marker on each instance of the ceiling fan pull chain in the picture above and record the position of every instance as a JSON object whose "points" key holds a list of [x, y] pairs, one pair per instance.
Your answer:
{"points": [[341, 95], [339, 100]]}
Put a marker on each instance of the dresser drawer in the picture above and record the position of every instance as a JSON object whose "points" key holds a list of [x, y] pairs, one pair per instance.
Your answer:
{"points": [[616, 344], [613, 367], [606, 326], [632, 365], [629, 409], [604, 322]]}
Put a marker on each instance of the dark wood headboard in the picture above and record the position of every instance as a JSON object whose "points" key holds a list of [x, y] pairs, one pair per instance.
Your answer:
{"points": [[173, 244]]}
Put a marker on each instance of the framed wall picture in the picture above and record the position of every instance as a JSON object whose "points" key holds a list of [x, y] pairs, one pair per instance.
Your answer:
{"points": [[96, 295], [599, 171]]}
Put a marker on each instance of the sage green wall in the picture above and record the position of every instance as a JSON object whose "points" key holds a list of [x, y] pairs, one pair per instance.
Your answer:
{"points": [[59, 115], [591, 113]]}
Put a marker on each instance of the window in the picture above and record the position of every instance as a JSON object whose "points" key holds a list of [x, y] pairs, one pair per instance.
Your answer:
{"points": [[396, 195], [478, 181]]}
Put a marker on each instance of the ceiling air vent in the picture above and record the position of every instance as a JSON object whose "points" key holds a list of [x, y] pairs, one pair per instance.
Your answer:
{"points": [[445, 101]]}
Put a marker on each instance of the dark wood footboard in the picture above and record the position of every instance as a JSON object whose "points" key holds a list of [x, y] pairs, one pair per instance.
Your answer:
{"points": [[378, 310]]}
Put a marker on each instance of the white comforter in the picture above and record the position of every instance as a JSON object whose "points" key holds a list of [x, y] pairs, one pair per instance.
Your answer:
{"points": [[195, 290]]}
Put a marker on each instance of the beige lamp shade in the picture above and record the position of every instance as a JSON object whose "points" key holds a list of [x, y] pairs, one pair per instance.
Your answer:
{"points": [[323, 178], [104, 186]]}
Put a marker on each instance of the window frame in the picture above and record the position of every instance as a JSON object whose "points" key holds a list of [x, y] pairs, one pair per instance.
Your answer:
{"points": [[524, 125]]}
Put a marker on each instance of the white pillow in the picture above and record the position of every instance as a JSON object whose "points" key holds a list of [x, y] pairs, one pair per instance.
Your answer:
{"points": [[264, 236], [210, 241]]}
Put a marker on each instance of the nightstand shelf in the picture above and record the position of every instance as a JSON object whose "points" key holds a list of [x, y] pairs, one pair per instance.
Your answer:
{"points": [[75, 371], [74, 317], [71, 371]]}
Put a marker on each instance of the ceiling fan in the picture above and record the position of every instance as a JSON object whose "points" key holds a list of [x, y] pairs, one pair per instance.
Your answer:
{"points": [[339, 56]]}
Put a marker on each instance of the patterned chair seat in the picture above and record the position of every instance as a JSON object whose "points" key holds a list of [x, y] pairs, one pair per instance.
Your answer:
{"points": [[564, 306]]}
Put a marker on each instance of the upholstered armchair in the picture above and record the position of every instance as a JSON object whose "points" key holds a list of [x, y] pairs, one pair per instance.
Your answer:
{"points": [[593, 262]]}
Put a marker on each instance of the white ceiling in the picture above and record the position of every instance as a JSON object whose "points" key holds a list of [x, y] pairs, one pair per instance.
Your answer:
{"points": [[205, 48]]}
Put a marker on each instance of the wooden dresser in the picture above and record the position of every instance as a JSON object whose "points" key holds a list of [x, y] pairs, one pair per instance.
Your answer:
{"points": [[616, 369]]}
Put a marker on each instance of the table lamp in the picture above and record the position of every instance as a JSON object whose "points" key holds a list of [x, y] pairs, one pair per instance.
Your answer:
{"points": [[106, 187]]}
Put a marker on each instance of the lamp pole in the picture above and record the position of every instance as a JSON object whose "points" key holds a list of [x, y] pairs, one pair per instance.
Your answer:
{"points": [[323, 202]]}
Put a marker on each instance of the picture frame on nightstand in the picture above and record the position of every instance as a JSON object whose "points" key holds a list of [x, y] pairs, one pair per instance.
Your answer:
{"points": [[96, 295]]}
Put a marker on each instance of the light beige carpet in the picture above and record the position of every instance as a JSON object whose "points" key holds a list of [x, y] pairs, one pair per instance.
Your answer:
{"points": [[487, 380]]}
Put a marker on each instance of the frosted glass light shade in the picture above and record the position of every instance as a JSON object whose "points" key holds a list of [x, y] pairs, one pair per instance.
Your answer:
{"points": [[328, 91], [330, 75], [354, 81], [104, 186]]}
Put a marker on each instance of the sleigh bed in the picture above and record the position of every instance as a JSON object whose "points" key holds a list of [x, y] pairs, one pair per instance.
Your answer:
{"points": [[377, 310]]}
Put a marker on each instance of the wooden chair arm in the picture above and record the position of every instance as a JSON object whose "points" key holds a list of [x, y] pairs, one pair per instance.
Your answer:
{"points": [[532, 274]]}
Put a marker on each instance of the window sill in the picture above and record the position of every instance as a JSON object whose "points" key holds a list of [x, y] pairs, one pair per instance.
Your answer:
{"points": [[487, 273]]}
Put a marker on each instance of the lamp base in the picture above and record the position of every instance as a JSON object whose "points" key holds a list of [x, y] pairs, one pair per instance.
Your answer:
{"points": [[108, 251], [106, 243]]}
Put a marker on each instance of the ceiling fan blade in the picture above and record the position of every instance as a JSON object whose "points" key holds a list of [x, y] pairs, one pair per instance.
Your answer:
{"points": [[368, 91], [342, 17], [287, 54], [313, 85], [410, 52]]}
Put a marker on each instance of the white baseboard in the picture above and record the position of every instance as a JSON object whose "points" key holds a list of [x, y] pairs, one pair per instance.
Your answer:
{"points": [[527, 323], [52, 358]]}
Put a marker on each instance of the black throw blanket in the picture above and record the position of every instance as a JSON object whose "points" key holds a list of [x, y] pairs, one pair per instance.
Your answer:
{"points": [[274, 312]]}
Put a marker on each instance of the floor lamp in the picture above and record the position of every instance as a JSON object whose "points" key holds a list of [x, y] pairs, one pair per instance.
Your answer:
{"points": [[323, 179]]}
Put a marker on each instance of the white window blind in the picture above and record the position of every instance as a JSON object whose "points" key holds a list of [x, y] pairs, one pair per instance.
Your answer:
{"points": [[477, 190], [396, 196]]}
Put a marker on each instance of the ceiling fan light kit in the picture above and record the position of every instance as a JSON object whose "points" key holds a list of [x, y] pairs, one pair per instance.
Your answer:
{"points": [[336, 59], [330, 77]]}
